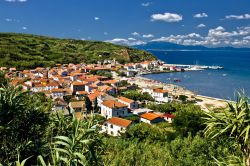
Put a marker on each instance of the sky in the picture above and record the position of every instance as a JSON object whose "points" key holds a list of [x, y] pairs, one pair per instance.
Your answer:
{"points": [[131, 22]]}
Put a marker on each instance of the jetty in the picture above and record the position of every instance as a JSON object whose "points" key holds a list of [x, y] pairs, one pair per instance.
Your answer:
{"points": [[196, 67]]}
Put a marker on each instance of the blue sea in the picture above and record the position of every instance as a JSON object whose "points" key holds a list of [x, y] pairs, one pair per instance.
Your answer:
{"points": [[222, 83]]}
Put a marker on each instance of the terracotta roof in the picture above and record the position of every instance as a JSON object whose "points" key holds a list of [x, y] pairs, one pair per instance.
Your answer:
{"points": [[78, 83], [149, 116], [119, 122], [110, 82], [126, 99], [113, 104], [169, 115], [52, 84], [81, 92], [104, 88], [77, 104], [160, 91], [94, 95]]}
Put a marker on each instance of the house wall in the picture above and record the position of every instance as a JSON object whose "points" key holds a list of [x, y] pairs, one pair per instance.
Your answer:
{"points": [[112, 129], [115, 112]]}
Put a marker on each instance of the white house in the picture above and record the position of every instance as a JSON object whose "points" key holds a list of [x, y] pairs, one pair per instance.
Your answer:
{"points": [[168, 117], [115, 126], [111, 108], [158, 94], [57, 93], [130, 103], [150, 118]]}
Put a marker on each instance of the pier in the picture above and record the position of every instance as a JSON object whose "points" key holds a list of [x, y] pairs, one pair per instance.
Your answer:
{"points": [[196, 67]]}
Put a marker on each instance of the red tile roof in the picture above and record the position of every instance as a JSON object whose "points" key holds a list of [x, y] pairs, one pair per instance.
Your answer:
{"points": [[119, 122], [169, 115], [150, 116], [113, 104], [126, 99], [160, 91]]}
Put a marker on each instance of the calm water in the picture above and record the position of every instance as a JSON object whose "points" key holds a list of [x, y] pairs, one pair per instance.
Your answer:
{"points": [[215, 83]]}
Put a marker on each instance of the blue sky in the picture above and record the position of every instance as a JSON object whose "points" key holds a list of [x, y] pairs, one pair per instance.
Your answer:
{"points": [[129, 22]]}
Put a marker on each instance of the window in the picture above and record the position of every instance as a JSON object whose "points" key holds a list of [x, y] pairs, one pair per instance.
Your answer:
{"points": [[111, 133], [111, 126]]}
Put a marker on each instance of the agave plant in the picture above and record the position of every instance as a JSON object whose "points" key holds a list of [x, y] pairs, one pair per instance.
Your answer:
{"points": [[78, 148], [233, 122]]}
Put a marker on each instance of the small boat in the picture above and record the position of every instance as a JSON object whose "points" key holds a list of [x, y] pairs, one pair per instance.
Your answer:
{"points": [[177, 80]]}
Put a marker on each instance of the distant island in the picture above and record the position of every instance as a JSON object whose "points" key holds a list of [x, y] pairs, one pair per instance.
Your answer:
{"points": [[175, 47], [29, 51]]}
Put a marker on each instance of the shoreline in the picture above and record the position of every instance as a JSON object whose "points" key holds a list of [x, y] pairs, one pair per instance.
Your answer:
{"points": [[207, 103]]}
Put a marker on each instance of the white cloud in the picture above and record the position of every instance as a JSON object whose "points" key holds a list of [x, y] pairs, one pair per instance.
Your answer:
{"points": [[146, 4], [148, 36], [166, 17], [135, 34], [215, 37], [12, 20], [220, 32], [127, 42], [105, 33], [247, 38], [24, 28], [200, 15], [8, 20], [131, 38], [201, 26], [16, 0], [238, 17], [96, 18]]}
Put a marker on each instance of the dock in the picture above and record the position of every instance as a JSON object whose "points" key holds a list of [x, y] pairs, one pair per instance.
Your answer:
{"points": [[196, 67]]}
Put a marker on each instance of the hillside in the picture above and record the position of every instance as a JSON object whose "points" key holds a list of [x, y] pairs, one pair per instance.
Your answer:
{"points": [[29, 51]]}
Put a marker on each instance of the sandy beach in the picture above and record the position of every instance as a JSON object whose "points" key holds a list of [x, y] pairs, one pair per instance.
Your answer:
{"points": [[205, 102]]}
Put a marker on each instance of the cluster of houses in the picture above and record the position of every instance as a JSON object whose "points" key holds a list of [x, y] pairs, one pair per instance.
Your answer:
{"points": [[69, 85]]}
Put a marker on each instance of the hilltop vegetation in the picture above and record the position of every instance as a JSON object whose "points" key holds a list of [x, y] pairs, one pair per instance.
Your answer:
{"points": [[30, 51]]}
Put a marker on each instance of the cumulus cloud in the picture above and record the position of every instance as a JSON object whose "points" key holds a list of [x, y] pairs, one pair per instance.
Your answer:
{"points": [[16, 0], [215, 37], [12, 20], [24, 28], [238, 17], [136, 34], [131, 38], [148, 36], [166, 17], [96, 18], [128, 42], [200, 15], [201, 26], [146, 4]]}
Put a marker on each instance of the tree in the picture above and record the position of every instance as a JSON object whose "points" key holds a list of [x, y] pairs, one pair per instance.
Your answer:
{"points": [[233, 122], [3, 80], [24, 119], [188, 120], [88, 104], [81, 146], [183, 98], [135, 95]]}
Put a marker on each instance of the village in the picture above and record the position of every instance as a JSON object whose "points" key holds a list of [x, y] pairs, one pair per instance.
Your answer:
{"points": [[99, 88]]}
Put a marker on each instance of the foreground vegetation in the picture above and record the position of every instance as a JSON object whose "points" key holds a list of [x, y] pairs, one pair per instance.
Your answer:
{"points": [[31, 134], [29, 51]]}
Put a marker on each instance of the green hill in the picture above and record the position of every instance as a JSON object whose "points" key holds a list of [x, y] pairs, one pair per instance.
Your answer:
{"points": [[29, 51]]}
